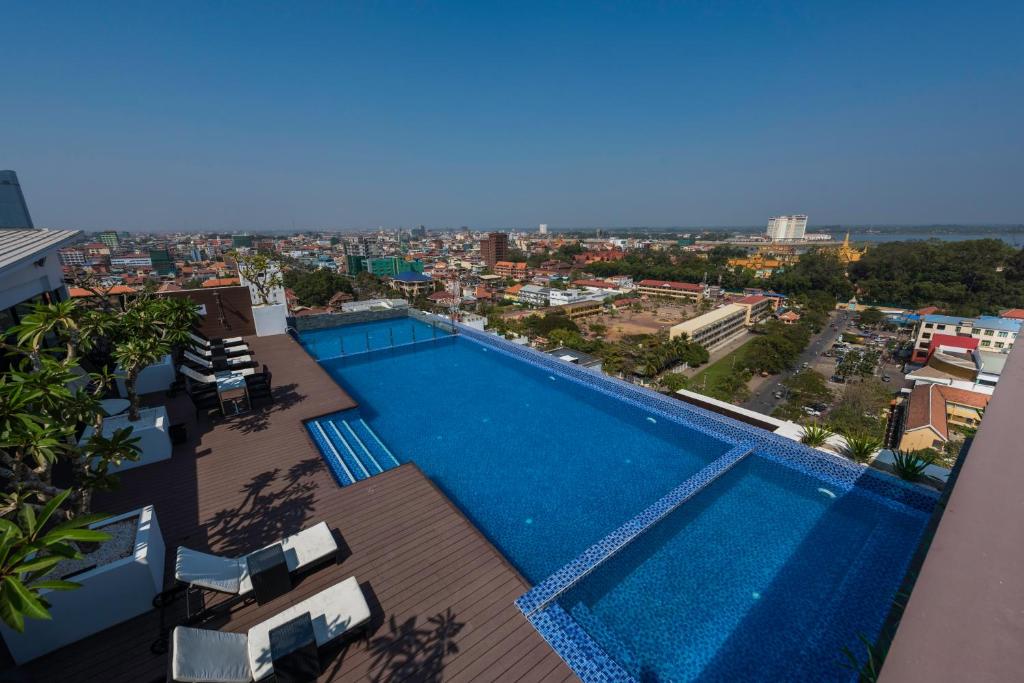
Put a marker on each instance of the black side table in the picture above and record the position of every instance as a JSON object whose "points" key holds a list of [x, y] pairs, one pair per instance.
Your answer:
{"points": [[269, 573], [293, 651]]}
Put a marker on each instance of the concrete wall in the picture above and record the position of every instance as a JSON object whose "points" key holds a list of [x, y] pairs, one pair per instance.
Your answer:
{"points": [[228, 310], [322, 321], [28, 280]]}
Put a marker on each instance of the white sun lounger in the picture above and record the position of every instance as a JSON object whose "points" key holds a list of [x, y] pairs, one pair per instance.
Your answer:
{"points": [[214, 656], [210, 378], [204, 342], [207, 363], [229, 351], [231, 574]]}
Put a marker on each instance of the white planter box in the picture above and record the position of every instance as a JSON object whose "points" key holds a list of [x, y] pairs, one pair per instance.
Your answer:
{"points": [[110, 594], [271, 319], [151, 429], [156, 377]]}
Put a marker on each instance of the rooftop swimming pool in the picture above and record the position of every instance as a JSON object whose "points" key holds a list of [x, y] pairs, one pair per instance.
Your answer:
{"points": [[664, 543]]}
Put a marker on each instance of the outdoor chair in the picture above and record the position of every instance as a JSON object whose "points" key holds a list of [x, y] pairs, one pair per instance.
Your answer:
{"points": [[206, 655], [208, 343], [230, 363], [303, 550]]}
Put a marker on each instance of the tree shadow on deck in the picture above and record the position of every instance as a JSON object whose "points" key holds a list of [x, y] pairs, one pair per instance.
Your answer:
{"points": [[416, 652], [276, 504], [258, 419]]}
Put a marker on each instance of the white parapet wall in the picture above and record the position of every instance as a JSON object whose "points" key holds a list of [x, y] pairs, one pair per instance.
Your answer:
{"points": [[270, 320], [109, 594]]}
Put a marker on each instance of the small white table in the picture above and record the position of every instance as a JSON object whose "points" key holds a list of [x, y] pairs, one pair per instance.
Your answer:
{"points": [[232, 391]]}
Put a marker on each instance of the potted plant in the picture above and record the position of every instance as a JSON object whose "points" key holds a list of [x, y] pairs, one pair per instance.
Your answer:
{"points": [[44, 399], [266, 287]]}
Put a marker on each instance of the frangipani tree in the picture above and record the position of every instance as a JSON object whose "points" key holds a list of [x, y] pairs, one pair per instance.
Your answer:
{"points": [[258, 271]]}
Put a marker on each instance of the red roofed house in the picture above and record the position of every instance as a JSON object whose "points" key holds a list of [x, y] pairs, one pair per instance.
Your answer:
{"points": [[674, 290], [789, 317], [927, 310], [934, 409], [597, 285], [221, 282], [758, 307], [1014, 313]]}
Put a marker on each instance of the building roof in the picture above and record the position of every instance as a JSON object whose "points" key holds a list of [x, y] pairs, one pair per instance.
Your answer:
{"points": [[1015, 313], [708, 318], [789, 315], [928, 406], [986, 322], [18, 246], [752, 299], [510, 264], [574, 356], [600, 284], [221, 282], [411, 277], [666, 284], [79, 292], [514, 289], [993, 362]]}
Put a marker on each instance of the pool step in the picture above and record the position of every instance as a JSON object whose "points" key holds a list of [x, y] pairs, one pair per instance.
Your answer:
{"points": [[351, 448]]}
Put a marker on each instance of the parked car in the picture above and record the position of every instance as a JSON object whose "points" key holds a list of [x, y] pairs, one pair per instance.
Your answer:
{"points": [[778, 394], [886, 378], [836, 379], [812, 412]]}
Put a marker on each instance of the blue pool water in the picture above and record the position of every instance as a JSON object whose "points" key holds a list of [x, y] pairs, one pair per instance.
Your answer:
{"points": [[760, 575], [543, 466]]}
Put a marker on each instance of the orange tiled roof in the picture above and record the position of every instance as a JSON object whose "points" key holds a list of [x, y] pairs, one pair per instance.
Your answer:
{"points": [[928, 406], [221, 282], [78, 292]]}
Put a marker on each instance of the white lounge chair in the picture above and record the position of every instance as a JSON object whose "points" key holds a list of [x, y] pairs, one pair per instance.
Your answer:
{"points": [[228, 351], [210, 378], [214, 656], [231, 574], [206, 343], [207, 363]]}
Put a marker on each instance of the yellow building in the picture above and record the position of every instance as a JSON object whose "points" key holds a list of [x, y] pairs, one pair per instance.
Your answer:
{"points": [[933, 409], [767, 260]]}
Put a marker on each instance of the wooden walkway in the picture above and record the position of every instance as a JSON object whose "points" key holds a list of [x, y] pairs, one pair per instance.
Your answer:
{"points": [[440, 594]]}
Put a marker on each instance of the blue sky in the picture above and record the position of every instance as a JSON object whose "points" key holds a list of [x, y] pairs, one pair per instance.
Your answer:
{"points": [[182, 115]]}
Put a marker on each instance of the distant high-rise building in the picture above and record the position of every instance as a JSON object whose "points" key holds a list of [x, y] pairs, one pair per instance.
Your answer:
{"points": [[494, 248], [787, 227], [110, 239], [13, 209], [161, 261], [241, 241], [543, 229]]}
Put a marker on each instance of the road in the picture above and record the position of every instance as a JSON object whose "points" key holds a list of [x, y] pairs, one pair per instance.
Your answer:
{"points": [[763, 400]]}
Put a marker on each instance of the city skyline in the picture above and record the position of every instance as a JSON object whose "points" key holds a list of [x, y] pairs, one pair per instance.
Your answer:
{"points": [[191, 118]]}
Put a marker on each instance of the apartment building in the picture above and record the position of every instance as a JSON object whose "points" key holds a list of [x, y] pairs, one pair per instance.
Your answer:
{"points": [[714, 328], [561, 297], [131, 261], [534, 295], [494, 248], [514, 269], [787, 227], [675, 290], [993, 333], [71, 257], [758, 307], [583, 309]]}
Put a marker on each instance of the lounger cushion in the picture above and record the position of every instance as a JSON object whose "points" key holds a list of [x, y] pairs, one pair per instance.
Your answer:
{"points": [[304, 548], [217, 573], [202, 655], [334, 611]]}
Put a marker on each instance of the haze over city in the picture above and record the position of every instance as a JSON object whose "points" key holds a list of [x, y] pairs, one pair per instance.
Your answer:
{"points": [[189, 116]]}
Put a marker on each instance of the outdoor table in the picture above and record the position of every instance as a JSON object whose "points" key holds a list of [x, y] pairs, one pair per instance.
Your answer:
{"points": [[232, 391], [293, 651], [269, 573]]}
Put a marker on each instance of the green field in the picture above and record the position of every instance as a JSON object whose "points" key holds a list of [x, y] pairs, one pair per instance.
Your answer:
{"points": [[716, 373]]}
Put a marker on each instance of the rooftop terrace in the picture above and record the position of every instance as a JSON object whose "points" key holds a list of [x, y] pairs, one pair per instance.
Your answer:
{"points": [[441, 597]]}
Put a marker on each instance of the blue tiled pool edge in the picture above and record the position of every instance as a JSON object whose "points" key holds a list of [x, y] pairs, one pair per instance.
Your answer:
{"points": [[547, 590]]}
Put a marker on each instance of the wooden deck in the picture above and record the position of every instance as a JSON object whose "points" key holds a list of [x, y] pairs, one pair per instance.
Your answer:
{"points": [[440, 594]]}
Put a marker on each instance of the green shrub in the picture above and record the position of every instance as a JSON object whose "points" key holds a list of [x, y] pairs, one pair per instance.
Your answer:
{"points": [[816, 434], [910, 465]]}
